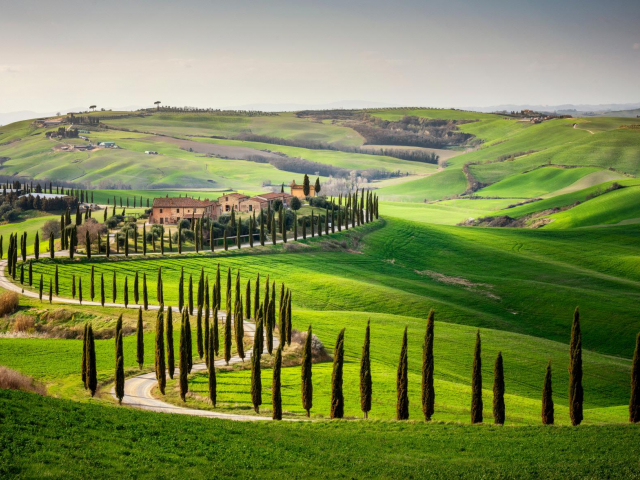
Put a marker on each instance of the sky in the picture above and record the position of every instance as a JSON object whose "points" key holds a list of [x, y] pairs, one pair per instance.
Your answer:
{"points": [[449, 53]]}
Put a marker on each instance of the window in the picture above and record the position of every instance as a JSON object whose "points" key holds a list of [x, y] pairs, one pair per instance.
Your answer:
{"points": [[250, 208], [161, 221], [226, 208], [177, 210], [160, 210]]}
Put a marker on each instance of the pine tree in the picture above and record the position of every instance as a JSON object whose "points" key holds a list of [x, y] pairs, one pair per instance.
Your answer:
{"points": [[170, 355], [307, 361], [576, 394], [428, 392], [498, 391], [547, 398], [161, 370], [276, 385], [211, 367], [634, 400], [337, 396], [184, 361], [140, 339], [402, 382], [92, 374], [365, 374], [476, 384]]}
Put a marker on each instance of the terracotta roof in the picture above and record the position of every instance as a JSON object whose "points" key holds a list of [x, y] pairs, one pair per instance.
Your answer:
{"points": [[179, 202], [272, 196], [235, 195]]}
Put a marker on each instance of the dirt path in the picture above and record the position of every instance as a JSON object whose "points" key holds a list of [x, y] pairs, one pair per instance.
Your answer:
{"points": [[575, 125]]}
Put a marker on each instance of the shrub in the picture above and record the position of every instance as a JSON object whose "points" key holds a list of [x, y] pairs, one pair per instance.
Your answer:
{"points": [[23, 323], [8, 303], [52, 226], [10, 379]]}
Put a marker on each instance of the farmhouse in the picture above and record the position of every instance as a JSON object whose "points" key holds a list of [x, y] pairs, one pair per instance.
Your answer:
{"points": [[107, 144], [298, 190], [231, 201], [264, 201], [170, 210]]}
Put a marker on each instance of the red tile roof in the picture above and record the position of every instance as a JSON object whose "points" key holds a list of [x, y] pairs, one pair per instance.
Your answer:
{"points": [[180, 202]]}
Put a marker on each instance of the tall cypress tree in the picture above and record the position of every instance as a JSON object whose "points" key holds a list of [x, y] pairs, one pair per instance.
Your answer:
{"points": [[289, 327], [547, 398], [239, 330], [92, 374], [125, 292], [140, 339], [181, 290], [206, 328], [119, 377], [365, 373], [145, 292], [211, 367], [114, 289], [85, 341], [102, 292], [498, 391], [634, 400], [190, 293], [276, 395], [214, 330], [136, 291], [189, 341], [170, 355], [199, 336], [428, 391], [92, 290], [247, 300], [337, 396], [476, 383], [256, 376], [402, 382], [161, 369], [184, 362], [307, 385], [160, 287], [576, 394]]}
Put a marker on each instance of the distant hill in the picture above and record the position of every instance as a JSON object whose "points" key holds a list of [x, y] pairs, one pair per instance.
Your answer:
{"points": [[568, 108]]}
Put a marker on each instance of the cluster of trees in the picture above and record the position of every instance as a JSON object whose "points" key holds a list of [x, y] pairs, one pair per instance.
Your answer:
{"points": [[213, 111], [82, 120], [63, 133]]}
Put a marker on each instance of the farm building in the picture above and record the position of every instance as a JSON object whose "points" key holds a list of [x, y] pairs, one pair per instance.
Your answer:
{"points": [[231, 201], [170, 210], [298, 190], [263, 201], [107, 144]]}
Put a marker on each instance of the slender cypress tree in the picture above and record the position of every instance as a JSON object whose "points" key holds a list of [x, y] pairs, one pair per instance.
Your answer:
{"points": [[547, 398], [40, 290], [92, 375], [184, 362], [85, 340], [634, 400], [256, 297], [289, 327], [211, 366], [365, 374], [161, 370], [92, 289], [247, 300], [476, 384], [145, 293], [428, 391], [136, 291], [140, 339], [199, 336], [160, 287], [239, 327], [181, 290], [190, 295], [402, 382], [276, 395], [125, 292], [498, 391], [187, 327], [307, 385], [119, 377], [170, 355], [114, 289], [102, 292], [214, 331], [256, 378], [227, 334], [36, 246], [576, 394], [337, 396]]}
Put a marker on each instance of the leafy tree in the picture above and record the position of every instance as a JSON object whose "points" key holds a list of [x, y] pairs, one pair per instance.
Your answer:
{"points": [[576, 394], [365, 373], [276, 395], [498, 391], [476, 384], [547, 398], [402, 405], [428, 391], [337, 396], [295, 204]]}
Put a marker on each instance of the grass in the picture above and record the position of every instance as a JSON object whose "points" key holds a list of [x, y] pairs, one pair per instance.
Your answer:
{"points": [[446, 212], [449, 182], [48, 437]]}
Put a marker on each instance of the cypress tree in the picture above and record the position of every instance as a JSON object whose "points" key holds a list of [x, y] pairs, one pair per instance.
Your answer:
{"points": [[214, 331], [256, 297], [211, 366], [119, 377], [547, 398], [498, 391], [145, 293], [256, 378], [199, 336], [56, 280], [170, 355], [87, 244], [180, 240], [576, 394], [402, 382], [181, 290], [102, 293], [144, 239], [52, 249], [92, 284], [206, 327], [247, 296], [337, 396], [227, 335], [365, 374], [160, 287], [161, 370], [190, 293], [136, 291], [428, 391], [187, 327], [85, 340], [36, 246], [125, 292], [289, 328], [114, 289], [634, 400], [92, 374], [184, 362], [41, 285], [276, 395], [476, 384], [140, 339], [307, 361]]}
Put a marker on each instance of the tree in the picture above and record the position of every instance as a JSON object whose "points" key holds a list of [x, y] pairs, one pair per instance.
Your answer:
{"points": [[634, 401], [211, 366], [140, 339], [157, 104], [276, 395], [85, 339], [184, 362], [428, 391], [145, 293], [199, 336], [576, 394], [306, 187], [295, 204], [476, 383], [92, 375], [307, 386], [498, 391], [256, 377], [190, 293], [170, 355], [227, 333], [547, 398], [365, 374], [317, 186], [114, 290], [402, 382], [181, 290], [119, 377], [337, 396], [36, 246], [161, 370]]}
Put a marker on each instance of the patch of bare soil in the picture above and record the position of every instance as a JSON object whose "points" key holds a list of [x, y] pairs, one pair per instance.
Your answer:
{"points": [[482, 288]]}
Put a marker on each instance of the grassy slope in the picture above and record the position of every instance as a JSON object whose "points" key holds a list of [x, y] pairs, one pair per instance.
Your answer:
{"points": [[446, 212], [449, 182], [143, 444]]}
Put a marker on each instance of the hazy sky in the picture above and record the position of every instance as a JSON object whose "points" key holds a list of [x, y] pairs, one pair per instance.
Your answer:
{"points": [[67, 53]]}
